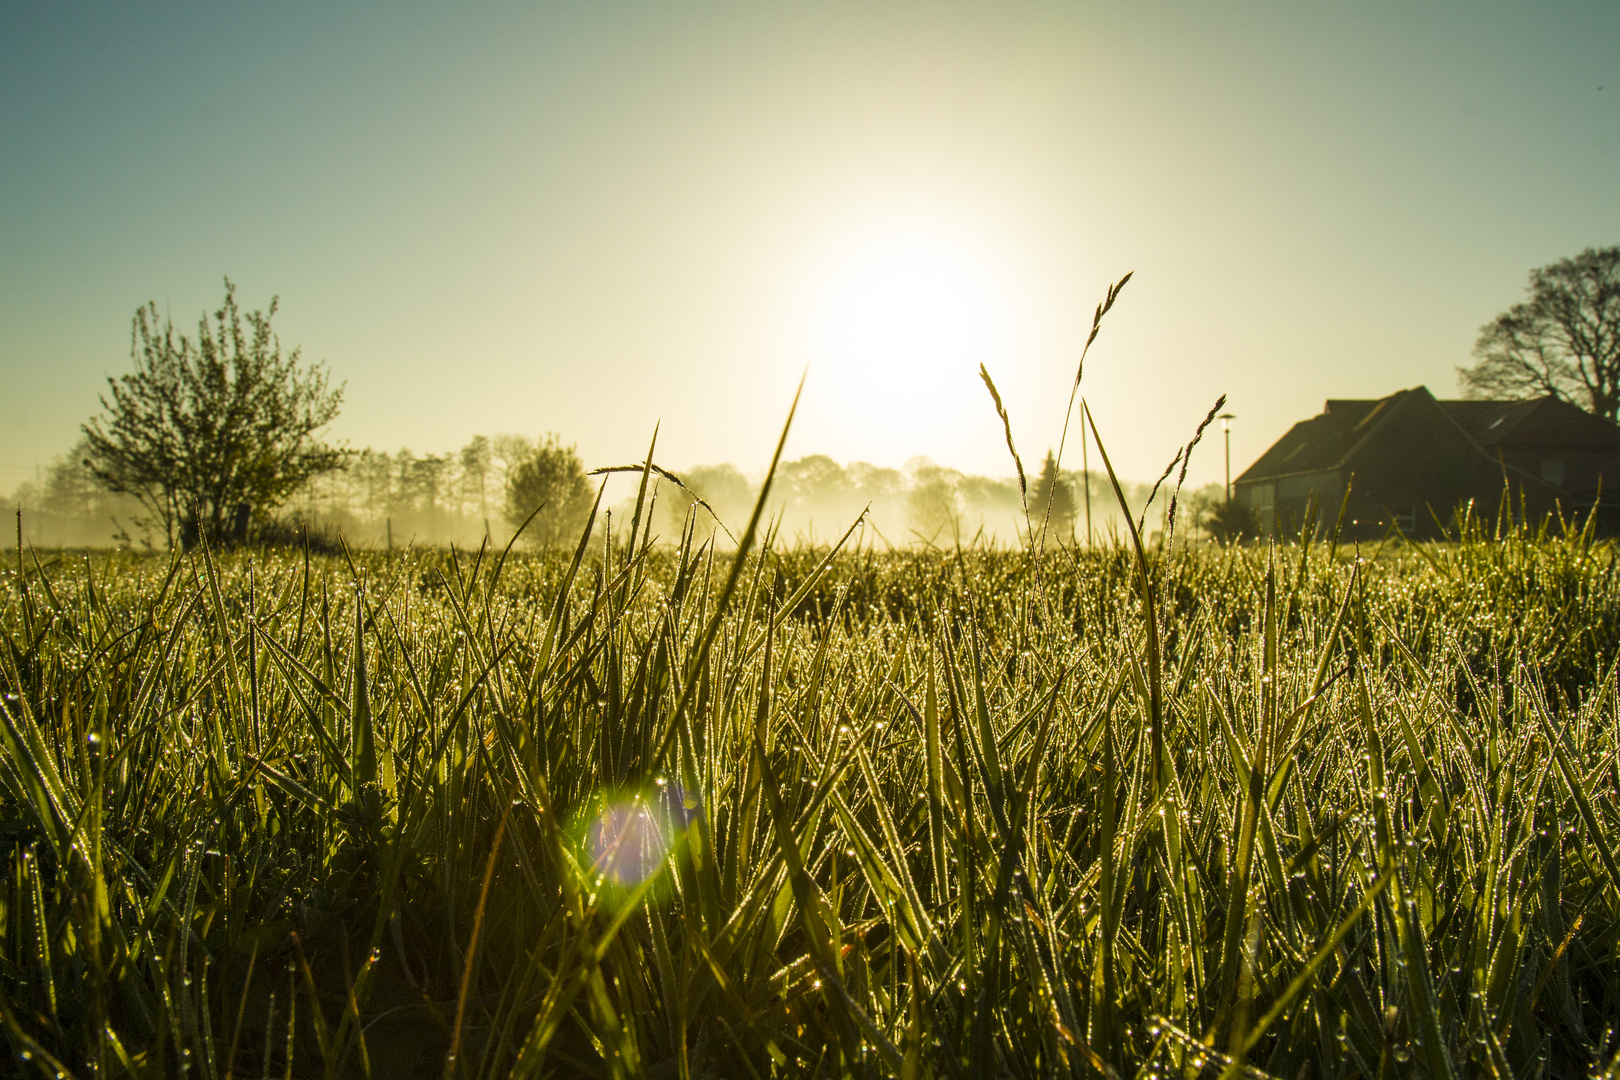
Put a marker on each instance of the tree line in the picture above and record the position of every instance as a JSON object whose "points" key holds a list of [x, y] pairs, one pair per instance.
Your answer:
{"points": [[219, 436], [491, 484]]}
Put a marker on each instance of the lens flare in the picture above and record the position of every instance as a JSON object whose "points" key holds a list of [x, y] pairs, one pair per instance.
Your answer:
{"points": [[631, 835], [626, 844]]}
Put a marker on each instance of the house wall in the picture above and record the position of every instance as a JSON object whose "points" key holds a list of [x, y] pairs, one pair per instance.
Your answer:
{"points": [[1283, 506], [1408, 465], [1414, 474], [1414, 467], [1261, 499], [1580, 472]]}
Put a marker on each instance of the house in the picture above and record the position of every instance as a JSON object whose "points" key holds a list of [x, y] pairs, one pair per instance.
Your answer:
{"points": [[1412, 461]]}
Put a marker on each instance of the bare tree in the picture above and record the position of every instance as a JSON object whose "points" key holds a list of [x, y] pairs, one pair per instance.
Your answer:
{"points": [[476, 462], [425, 480], [1563, 341], [506, 453], [206, 433]]}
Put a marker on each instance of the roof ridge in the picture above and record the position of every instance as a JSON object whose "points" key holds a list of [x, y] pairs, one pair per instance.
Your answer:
{"points": [[1404, 395], [1497, 459]]}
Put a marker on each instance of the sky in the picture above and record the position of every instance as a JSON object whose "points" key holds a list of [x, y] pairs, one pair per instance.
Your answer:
{"points": [[592, 219]]}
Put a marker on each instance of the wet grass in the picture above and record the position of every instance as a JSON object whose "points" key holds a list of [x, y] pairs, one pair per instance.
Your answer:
{"points": [[664, 812]]}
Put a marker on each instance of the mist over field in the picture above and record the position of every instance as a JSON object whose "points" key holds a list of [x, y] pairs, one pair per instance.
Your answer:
{"points": [[402, 498]]}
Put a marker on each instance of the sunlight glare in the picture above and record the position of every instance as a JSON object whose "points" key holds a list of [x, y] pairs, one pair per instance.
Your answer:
{"points": [[900, 306], [902, 317]]}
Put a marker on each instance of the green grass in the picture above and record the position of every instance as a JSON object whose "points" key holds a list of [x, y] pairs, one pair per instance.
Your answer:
{"points": [[650, 812]]}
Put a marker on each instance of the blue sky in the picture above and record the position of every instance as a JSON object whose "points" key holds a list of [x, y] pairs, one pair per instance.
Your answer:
{"points": [[591, 218]]}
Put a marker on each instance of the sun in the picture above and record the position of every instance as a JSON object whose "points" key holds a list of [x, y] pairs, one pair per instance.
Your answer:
{"points": [[902, 303], [903, 315]]}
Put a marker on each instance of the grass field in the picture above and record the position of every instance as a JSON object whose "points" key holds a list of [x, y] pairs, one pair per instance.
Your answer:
{"points": [[656, 812]]}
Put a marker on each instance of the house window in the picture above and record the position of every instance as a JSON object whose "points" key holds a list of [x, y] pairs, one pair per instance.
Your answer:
{"points": [[1552, 471]]}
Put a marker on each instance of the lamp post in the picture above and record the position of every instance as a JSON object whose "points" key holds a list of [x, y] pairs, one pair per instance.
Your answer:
{"points": [[1226, 419]]}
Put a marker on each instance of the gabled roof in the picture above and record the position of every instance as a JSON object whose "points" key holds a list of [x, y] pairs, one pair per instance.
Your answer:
{"points": [[1328, 441], [1489, 422], [1542, 423]]}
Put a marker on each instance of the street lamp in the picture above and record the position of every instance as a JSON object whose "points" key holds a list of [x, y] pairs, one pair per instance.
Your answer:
{"points": [[1226, 419]]}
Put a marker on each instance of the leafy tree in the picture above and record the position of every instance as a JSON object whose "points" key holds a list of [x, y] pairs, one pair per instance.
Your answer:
{"points": [[872, 483], [1563, 341], [372, 476], [208, 433], [508, 451], [71, 489], [723, 487], [552, 477], [66, 505], [814, 479]]}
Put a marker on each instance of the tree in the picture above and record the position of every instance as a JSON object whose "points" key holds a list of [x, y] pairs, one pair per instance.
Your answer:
{"points": [[997, 504], [874, 484], [66, 506], [931, 508], [551, 477], [211, 432], [723, 487], [1563, 341], [476, 461], [372, 475], [816, 479], [1226, 520], [1047, 490]]}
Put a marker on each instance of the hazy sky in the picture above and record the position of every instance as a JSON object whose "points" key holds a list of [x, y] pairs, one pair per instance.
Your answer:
{"points": [[586, 218]]}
